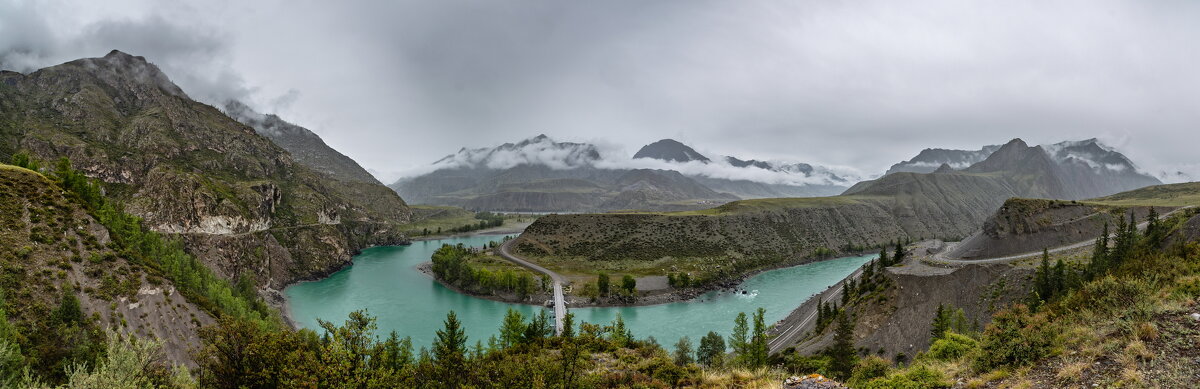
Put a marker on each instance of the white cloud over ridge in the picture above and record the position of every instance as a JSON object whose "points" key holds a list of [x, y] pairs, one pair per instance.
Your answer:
{"points": [[544, 151]]}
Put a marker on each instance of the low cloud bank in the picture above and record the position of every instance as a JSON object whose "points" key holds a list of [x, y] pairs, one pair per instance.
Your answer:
{"points": [[543, 151]]}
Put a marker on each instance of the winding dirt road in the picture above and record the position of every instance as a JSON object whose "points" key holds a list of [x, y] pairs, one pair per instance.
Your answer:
{"points": [[940, 257], [560, 304]]}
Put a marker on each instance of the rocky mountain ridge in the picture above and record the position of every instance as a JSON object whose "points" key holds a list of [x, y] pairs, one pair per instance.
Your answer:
{"points": [[240, 202]]}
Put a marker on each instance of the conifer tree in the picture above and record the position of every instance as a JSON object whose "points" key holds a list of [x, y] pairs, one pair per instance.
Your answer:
{"points": [[512, 329], [1042, 282], [739, 339], [449, 351], [940, 323], [1099, 254], [568, 325], [759, 349], [842, 351], [1059, 277], [683, 352], [820, 310]]}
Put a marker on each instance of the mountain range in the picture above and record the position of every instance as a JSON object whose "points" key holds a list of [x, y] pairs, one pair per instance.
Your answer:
{"points": [[947, 203], [542, 175], [268, 201]]}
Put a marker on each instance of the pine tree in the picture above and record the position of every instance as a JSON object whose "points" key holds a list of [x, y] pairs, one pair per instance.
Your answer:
{"points": [[512, 329], [845, 292], [941, 323], [449, 351], [568, 330], [759, 349], [898, 257], [1099, 254], [883, 256], [1059, 278], [739, 338], [820, 311], [619, 334], [842, 352], [1042, 282], [1152, 225]]}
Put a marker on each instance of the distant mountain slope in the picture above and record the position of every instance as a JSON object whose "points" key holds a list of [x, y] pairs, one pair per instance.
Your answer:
{"points": [[305, 146], [240, 202], [1091, 169], [670, 150], [929, 160], [1085, 168], [949, 204], [540, 174]]}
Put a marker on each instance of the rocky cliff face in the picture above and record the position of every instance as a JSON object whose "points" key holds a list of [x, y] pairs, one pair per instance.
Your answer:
{"points": [[188, 169]]}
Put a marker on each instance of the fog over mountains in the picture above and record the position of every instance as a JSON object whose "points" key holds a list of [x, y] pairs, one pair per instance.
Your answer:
{"points": [[541, 174], [544, 175]]}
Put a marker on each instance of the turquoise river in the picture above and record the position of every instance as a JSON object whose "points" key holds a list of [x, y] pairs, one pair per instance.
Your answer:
{"points": [[385, 282]]}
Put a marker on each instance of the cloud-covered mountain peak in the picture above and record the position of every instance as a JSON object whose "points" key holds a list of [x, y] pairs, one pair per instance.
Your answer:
{"points": [[928, 160], [670, 150], [1090, 152], [538, 150]]}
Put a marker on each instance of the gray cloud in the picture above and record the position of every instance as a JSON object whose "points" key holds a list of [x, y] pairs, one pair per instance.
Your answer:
{"points": [[397, 85]]}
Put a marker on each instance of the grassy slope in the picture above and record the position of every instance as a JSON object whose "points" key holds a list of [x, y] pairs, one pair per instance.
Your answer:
{"points": [[1171, 195]]}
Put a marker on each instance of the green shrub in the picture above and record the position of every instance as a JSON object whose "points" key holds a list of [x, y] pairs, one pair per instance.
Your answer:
{"points": [[951, 346], [1016, 337], [869, 368], [916, 377]]}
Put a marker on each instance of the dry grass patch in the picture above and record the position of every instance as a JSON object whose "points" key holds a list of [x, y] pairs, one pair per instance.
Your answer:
{"points": [[1146, 331], [1072, 372], [1131, 377], [1137, 351]]}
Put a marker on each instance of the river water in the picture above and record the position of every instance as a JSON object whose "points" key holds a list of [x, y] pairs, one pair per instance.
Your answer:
{"points": [[385, 282]]}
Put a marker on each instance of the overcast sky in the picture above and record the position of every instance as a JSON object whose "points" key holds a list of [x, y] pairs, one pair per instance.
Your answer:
{"points": [[862, 84]]}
